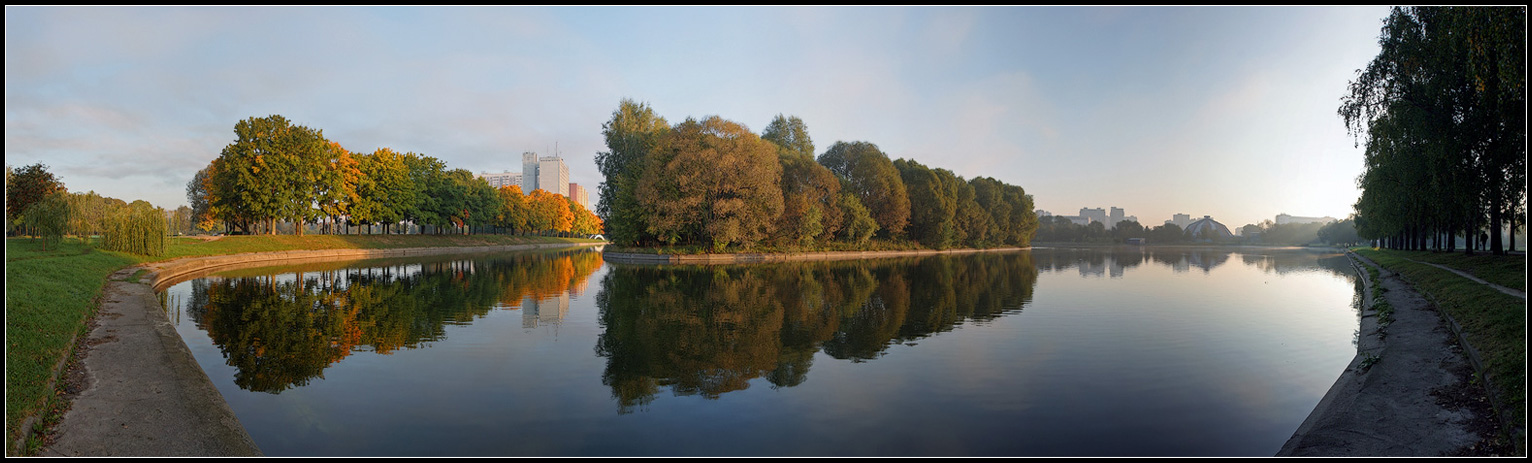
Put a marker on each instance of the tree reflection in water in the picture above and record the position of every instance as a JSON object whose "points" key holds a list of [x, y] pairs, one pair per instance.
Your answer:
{"points": [[280, 330], [708, 330]]}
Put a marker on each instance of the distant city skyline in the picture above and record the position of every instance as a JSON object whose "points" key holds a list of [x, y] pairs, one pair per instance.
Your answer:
{"points": [[1229, 111]]}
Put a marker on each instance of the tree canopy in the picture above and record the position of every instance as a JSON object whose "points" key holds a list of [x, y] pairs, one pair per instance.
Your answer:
{"points": [[1442, 112]]}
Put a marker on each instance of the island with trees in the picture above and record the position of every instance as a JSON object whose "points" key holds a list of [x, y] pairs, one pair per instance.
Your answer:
{"points": [[713, 186]]}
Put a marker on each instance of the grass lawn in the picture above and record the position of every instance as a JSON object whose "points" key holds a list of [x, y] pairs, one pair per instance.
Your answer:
{"points": [[1494, 323], [49, 295]]}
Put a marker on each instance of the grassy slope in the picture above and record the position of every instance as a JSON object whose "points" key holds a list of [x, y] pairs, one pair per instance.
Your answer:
{"points": [[50, 295], [1494, 323]]}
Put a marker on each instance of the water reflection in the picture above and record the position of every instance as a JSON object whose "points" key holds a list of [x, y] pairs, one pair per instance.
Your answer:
{"points": [[708, 330], [282, 328], [1115, 262]]}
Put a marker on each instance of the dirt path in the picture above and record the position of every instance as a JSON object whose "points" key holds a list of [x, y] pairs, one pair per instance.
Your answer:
{"points": [[1409, 391]]}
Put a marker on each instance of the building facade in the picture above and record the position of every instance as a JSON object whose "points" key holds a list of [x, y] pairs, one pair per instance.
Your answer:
{"points": [[553, 175], [1284, 219], [501, 179], [578, 194]]}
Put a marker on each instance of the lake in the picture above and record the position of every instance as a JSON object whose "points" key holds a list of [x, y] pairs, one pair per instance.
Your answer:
{"points": [[1076, 352]]}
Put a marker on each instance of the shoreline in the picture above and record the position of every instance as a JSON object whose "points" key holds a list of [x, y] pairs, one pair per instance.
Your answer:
{"points": [[135, 388], [1408, 391], [161, 403]]}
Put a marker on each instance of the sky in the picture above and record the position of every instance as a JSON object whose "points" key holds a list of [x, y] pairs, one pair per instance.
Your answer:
{"points": [[1228, 112]]}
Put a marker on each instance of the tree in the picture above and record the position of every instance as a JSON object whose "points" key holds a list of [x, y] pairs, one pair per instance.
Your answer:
{"points": [[633, 132], [790, 135], [268, 172], [48, 217], [384, 191], [810, 200], [1442, 111], [711, 182], [514, 211], [933, 204], [27, 186], [336, 189], [872, 177]]}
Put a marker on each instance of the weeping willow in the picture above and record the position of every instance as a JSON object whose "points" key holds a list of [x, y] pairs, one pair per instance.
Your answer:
{"points": [[48, 218], [138, 228]]}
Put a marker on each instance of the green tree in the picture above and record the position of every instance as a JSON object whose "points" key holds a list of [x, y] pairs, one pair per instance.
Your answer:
{"points": [[933, 204], [872, 177], [1442, 111], [27, 186], [633, 132], [49, 218], [790, 135]]}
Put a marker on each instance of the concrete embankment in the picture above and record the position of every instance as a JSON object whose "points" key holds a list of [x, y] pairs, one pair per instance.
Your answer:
{"points": [[1409, 390], [137, 389], [750, 258]]}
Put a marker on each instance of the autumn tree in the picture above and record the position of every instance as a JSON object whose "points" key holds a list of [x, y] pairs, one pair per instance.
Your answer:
{"points": [[712, 182], [810, 192]]}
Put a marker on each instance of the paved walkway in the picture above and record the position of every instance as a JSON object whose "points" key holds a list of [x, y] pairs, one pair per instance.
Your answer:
{"points": [[1408, 392], [1502, 289]]}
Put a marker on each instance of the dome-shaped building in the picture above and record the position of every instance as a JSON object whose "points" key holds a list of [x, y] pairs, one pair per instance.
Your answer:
{"points": [[1208, 229]]}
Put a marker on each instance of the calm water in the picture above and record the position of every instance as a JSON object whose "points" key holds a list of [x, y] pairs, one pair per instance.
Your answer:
{"points": [[1042, 352]]}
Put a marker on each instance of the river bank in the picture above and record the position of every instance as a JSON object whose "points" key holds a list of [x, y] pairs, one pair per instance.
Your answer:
{"points": [[1364, 404], [134, 389], [1410, 390]]}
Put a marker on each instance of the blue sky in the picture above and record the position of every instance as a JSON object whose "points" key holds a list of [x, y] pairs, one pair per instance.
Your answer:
{"points": [[1222, 111]]}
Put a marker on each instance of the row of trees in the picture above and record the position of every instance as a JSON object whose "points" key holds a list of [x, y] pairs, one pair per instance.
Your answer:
{"points": [[714, 183], [1442, 111], [276, 171], [1061, 229], [38, 204]]}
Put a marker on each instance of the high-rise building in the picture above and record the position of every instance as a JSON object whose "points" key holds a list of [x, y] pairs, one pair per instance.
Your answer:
{"points": [[1284, 219], [1115, 217], [553, 175], [1094, 215], [501, 179], [528, 172], [578, 194], [1180, 220], [547, 173]]}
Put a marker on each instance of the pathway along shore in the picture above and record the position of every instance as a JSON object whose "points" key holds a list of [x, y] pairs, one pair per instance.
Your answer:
{"points": [[1408, 392], [137, 391]]}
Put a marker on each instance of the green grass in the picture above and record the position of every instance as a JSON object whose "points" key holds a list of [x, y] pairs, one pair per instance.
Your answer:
{"points": [[49, 295], [1494, 323], [1507, 271]]}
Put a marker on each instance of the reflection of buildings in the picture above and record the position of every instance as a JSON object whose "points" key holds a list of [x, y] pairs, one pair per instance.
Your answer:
{"points": [[548, 311]]}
